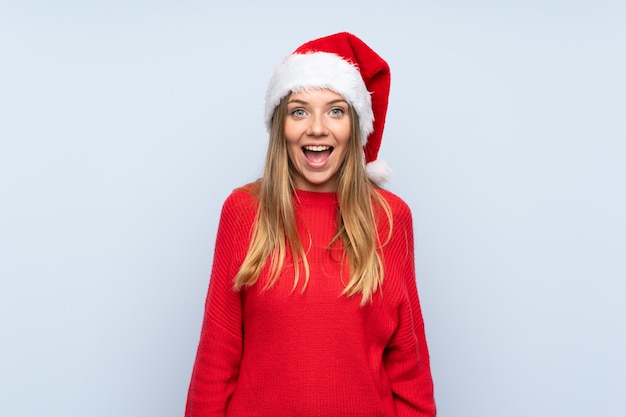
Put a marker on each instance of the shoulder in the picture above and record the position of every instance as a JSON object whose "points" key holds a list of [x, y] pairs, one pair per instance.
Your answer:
{"points": [[394, 220], [242, 199], [240, 207], [399, 209]]}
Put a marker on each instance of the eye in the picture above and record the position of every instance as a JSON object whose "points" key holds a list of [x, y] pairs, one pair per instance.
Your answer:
{"points": [[298, 113], [337, 111]]}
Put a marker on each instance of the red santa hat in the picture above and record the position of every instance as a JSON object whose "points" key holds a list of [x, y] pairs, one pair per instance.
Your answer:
{"points": [[345, 64]]}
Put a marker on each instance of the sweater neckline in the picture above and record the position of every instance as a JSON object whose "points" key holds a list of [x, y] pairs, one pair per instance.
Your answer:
{"points": [[315, 198]]}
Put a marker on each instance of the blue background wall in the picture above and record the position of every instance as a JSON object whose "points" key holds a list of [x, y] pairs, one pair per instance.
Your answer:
{"points": [[125, 124]]}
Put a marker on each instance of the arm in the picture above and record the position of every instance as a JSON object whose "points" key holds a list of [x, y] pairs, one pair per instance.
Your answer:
{"points": [[216, 367], [406, 357]]}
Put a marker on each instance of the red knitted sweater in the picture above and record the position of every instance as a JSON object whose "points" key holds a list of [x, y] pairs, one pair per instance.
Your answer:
{"points": [[314, 353]]}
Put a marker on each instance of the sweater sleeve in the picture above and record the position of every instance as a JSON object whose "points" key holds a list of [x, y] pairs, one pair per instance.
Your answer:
{"points": [[406, 357], [218, 357]]}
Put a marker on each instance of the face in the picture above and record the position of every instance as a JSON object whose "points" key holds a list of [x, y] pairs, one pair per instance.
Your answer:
{"points": [[317, 130]]}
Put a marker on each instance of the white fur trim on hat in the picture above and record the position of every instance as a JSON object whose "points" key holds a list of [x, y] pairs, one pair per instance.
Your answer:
{"points": [[378, 171], [321, 70]]}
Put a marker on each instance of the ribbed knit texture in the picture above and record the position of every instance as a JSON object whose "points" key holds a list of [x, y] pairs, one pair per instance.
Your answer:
{"points": [[280, 352]]}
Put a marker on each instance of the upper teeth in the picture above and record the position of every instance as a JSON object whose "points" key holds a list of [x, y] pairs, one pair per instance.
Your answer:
{"points": [[317, 148]]}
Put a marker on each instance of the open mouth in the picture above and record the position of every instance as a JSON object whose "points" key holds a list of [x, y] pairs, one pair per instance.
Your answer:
{"points": [[317, 154]]}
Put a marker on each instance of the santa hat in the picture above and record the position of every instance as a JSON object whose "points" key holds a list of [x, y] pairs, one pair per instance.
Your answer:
{"points": [[345, 64]]}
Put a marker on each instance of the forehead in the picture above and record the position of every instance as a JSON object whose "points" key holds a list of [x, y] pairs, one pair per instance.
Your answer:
{"points": [[316, 95]]}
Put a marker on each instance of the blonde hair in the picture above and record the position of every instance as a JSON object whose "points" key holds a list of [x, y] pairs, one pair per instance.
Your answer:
{"points": [[275, 230]]}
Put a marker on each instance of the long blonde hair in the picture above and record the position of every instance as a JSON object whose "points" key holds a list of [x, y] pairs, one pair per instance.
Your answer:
{"points": [[275, 230]]}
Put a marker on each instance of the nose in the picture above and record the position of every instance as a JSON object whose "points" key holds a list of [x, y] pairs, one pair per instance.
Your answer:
{"points": [[317, 127]]}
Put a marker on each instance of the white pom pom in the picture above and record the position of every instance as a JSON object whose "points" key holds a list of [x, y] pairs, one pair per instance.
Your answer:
{"points": [[378, 171]]}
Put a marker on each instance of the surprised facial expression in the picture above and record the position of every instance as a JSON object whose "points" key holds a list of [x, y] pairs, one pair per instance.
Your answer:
{"points": [[317, 130]]}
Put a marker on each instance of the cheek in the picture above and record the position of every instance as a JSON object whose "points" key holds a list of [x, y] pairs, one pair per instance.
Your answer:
{"points": [[343, 155], [343, 135], [343, 130], [292, 149], [345, 145], [292, 132], [290, 153], [290, 139]]}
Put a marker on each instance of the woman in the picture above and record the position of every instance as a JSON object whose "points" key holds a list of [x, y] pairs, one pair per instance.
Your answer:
{"points": [[312, 308]]}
